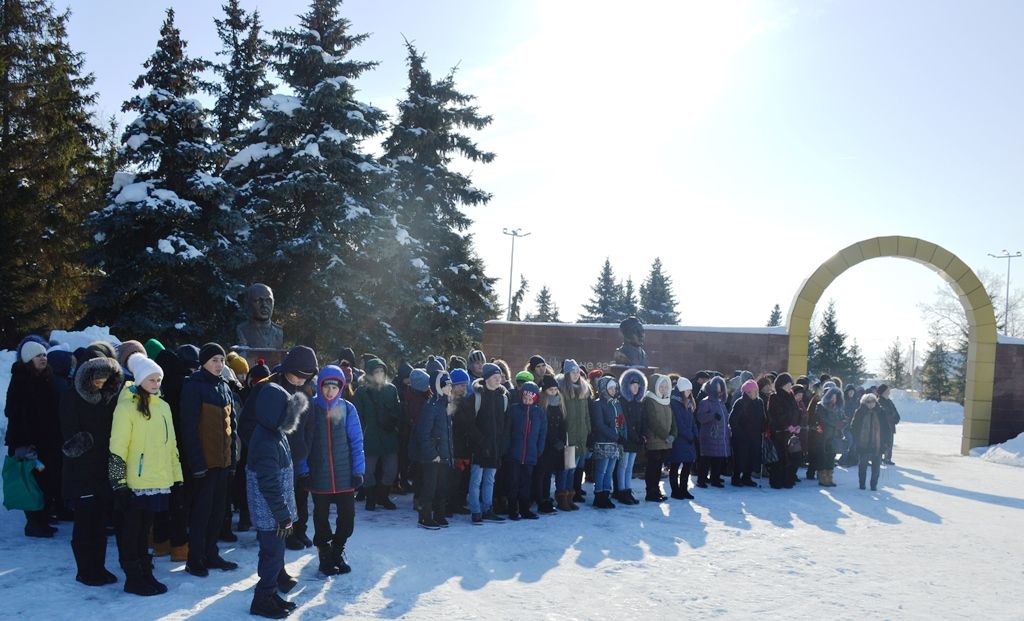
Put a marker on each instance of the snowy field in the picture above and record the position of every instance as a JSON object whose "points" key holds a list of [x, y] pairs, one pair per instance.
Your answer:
{"points": [[939, 540]]}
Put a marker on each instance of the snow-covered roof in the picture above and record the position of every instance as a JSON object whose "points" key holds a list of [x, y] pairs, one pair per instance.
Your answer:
{"points": [[780, 330]]}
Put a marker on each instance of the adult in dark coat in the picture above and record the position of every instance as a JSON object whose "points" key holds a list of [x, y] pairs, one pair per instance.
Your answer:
{"points": [[890, 418], [713, 419], [86, 415], [784, 424], [828, 420], [482, 417], [747, 421], [684, 445], [868, 426], [33, 428]]}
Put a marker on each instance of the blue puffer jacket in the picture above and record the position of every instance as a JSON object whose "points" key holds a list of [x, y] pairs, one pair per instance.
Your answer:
{"points": [[605, 415], [269, 475], [714, 420], [336, 447], [527, 433], [432, 437], [683, 449]]}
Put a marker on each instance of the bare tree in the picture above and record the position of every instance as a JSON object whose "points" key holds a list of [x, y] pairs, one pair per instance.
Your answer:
{"points": [[949, 318]]}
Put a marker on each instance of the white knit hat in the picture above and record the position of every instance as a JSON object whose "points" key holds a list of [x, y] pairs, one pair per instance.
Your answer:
{"points": [[142, 367], [30, 350]]}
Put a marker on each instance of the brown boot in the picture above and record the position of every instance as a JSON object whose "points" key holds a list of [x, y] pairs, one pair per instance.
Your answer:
{"points": [[179, 554], [563, 502], [161, 548], [823, 478]]}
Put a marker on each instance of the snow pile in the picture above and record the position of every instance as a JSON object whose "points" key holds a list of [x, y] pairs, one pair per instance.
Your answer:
{"points": [[915, 410], [1010, 452]]}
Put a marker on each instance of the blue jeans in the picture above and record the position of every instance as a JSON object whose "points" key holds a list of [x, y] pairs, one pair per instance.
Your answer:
{"points": [[563, 478], [271, 560], [481, 488], [624, 470], [603, 469]]}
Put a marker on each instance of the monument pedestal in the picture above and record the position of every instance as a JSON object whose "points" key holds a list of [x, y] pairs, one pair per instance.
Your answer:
{"points": [[618, 369], [271, 356]]}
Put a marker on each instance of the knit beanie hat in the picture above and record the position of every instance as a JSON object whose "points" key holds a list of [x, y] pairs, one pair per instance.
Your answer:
{"points": [[153, 348], [569, 365], [548, 382], [419, 380], [748, 386], [595, 374], [524, 376], [142, 367], [476, 356], [438, 380], [459, 376], [237, 363], [373, 364], [530, 387], [535, 360], [189, 354], [209, 351], [30, 350], [300, 361], [490, 369], [103, 348], [348, 354], [126, 349], [259, 372], [456, 362], [882, 388], [404, 370], [683, 384]]}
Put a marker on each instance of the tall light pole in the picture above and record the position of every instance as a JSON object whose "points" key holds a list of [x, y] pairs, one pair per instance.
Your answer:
{"points": [[513, 233], [1009, 256]]}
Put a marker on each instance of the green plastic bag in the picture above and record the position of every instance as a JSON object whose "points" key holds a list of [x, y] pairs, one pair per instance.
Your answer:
{"points": [[21, 492]]}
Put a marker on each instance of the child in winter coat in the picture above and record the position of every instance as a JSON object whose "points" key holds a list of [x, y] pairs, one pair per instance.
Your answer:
{"points": [[576, 395], [605, 414], [633, 386], [527, 433], [483, 418], [714, 431], [552, 460], [660, 433], [867, 431], [684, 449], [747, 421], [144, 465], [336, 468], [86, 416], [433, 443], [270, 483]]}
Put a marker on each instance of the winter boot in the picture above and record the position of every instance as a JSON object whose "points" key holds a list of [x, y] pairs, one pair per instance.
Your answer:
{"points": [[327, 567], [225, 531], [564, 501], [86, 564], [371, 499], [292, 542], [340, 562], [500, 505], [37, 526], [285, 582], [100, 560], [244, 523], [135, 580], [524, 511], [285, 605], [831, 478], [427, 521], [161, 548], [179, 554], [382, 498], [822, 478], [546, 506], [264, 604], [147, 572]]}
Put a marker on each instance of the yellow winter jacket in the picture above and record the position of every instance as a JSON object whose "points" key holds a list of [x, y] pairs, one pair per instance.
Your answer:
{"points": [[147, 446]]}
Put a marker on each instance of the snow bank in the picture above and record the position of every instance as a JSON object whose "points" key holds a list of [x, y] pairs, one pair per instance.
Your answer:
{"points": [[1010, 452], [915, 410]]}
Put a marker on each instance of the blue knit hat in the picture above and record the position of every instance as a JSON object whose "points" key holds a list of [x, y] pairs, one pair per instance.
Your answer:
{"points": [[419, 380], [531, 388], [459, 376], [490, 369]]}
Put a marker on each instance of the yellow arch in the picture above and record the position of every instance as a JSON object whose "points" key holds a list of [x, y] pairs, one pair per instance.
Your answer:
{"points": [[981, 351]]}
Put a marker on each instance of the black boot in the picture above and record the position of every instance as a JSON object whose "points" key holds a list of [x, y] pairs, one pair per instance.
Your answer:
{"points": [[225, 531], [524, 511], [371, 498], [427, 521], [36, 525], [265, 604], [546, 505], [244, 523], [100, 558], [292, 542], [382, 498], [147, 572], [327, 566], [86, 564], [340, 562], [135, 580], [285, 582]]}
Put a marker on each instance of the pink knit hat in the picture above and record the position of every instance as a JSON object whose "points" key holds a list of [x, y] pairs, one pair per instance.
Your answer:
{"points": [[749, 386]]}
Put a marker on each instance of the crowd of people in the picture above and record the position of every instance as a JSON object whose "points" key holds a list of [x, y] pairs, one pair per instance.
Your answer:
{"points": [[164, 447]]}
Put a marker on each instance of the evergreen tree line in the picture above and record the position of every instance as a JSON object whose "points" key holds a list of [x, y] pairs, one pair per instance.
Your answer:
{"points": [[159, 231]]}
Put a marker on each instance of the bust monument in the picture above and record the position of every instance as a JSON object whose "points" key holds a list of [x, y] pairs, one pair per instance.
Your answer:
{"points": [[259, 331], [631, 353]]}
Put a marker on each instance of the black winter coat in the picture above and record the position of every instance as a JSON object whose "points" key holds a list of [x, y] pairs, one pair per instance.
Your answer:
{"points": [[747, 421], [633, 411], [83, 411], [32, 411], [486, 428]]}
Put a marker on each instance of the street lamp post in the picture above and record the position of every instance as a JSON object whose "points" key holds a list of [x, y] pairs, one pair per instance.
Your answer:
{"points": [[1009, 256], [513, 233]]}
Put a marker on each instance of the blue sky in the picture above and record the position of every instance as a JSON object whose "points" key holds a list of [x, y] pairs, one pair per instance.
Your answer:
{"points": [[743, 143]]}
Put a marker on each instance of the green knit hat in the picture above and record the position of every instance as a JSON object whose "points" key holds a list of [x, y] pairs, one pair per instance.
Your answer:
{"points": [[153, 347]]}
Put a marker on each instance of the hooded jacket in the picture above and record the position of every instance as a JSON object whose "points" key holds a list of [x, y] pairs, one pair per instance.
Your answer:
{"points": [[269, 474], [432, 437], [632, 410], [659, 423], [336, 443], [32, 411], [86, 417], [208, 422], [576, 403], [381, 414], [527, 433], [605, 414], [713, 419], [684, 449], [483, 420], [146, 446]]}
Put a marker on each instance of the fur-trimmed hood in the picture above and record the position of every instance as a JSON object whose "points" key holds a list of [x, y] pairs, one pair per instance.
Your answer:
{"points": [[629, 376], [712, 388], [95, 368], [276, 410], [829, 394], [580, 390], [657, 380]]}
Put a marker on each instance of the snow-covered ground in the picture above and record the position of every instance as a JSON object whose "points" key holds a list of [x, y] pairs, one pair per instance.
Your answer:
{"points": [[1010, 452], [939, 540]]}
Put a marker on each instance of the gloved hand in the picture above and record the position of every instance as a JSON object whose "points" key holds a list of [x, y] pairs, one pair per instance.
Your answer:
{"points": [[26, 452], [357, 481], [284, 529], [122, 499], [199, 475], [670, 439]]}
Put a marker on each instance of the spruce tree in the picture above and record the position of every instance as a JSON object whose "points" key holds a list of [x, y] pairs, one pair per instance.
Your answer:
{"points": [[629, 305], [775, 319], [657, 301], [243, 73], [427, 197], [830, 352], [312, 191], [168, 238], [856, 367], [50, 170], [958, 362], [547, 310], [516, 304], [894, 366], [605, 306], [935, 377]]}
